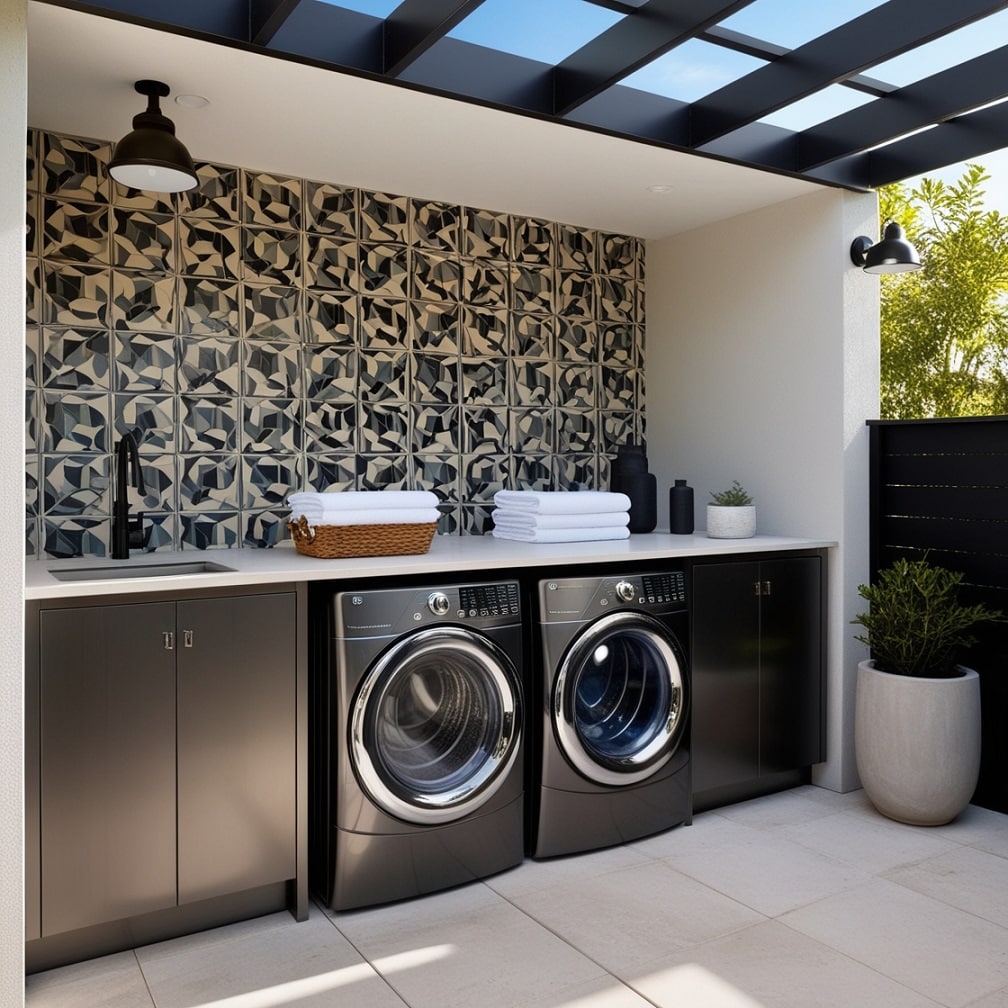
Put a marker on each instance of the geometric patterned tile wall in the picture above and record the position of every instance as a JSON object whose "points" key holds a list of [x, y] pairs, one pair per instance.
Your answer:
{"points": [[263, 334]]}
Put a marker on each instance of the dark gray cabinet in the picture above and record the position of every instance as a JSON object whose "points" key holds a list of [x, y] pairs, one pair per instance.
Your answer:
{"points": [[168, 754], [236, 744], [757, 670]]}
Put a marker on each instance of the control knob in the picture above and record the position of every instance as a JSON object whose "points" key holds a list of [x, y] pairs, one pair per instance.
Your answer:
{"points": [[625, 591], [438, 603]]}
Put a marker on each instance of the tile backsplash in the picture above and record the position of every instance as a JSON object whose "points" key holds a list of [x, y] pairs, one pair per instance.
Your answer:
{"points": [[263, 334]]}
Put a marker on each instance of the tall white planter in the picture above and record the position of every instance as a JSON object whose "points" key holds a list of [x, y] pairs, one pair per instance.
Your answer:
{"points": [[917, 743], [724, 522]]}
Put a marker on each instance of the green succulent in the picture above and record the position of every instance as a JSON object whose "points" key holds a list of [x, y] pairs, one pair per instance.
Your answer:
{"points": [[734, 496]]}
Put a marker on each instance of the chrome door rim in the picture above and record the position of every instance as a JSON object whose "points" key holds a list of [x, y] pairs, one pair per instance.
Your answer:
{"points": [[478, 788], [652, 757]]}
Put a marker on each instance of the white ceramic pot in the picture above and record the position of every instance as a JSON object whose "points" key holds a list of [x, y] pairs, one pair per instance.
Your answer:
{"points": [[731, 522], [917, 743]]}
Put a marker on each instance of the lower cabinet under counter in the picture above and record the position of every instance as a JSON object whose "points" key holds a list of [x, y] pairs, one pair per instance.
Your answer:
{"points": [[169, 739], [757, 665]]}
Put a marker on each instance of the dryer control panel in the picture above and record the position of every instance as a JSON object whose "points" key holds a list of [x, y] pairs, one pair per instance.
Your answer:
{"points": [[573, 599]]}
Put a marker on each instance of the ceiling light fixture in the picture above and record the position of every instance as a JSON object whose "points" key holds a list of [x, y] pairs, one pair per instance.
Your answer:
{"points": [[659, 188], [894, 254], [151, 157]]}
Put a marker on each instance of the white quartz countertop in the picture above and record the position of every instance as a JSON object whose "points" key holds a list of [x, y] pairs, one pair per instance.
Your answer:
{"points": [[447, 554]]}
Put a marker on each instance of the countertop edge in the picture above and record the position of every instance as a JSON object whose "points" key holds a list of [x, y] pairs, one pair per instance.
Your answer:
{"points": [[448, 554]]}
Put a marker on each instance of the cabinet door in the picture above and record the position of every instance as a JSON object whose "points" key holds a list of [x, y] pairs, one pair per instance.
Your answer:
{"points": [[790, 664], [107, 713], [726, 667], [236, 743]]}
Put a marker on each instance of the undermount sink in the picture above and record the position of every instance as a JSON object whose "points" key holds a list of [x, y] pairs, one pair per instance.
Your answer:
{"points": [[138, 570]]}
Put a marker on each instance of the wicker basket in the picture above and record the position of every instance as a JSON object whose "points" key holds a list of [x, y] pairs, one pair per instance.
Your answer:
{"points": [[328, 542]]}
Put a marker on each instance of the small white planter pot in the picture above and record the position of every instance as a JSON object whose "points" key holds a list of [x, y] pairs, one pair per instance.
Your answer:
{"points": [[731, 522], [917, 743]]}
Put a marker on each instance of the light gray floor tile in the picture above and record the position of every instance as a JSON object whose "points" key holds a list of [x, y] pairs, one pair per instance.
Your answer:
{"points": [[708, 831], [306, 964], [473, 948], [113, 981], [869, 841], [999, 999], [770, 874], [981, 828], [774, 966], [937, 950], [967, 878], [622, 919], [776, 810], [607, 992], [537, 876]]}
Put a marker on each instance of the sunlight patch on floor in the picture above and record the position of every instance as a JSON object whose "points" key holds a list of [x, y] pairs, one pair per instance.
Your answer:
{"points": [[278, 995]]}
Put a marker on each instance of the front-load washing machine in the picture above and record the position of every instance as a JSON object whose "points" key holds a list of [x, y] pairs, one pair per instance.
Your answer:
{"points": [[613, 746], [423, 767]]}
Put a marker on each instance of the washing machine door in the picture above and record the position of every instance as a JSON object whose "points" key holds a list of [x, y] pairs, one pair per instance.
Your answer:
{"points": [[619, 699], [436, 725]]}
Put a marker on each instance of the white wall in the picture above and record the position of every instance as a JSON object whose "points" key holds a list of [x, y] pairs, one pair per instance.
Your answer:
{"points": [[762, 366], [13, 123]]}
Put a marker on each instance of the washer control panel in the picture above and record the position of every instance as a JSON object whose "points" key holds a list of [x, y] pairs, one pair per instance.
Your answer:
{"points": [[396, 610], [489, 600]]}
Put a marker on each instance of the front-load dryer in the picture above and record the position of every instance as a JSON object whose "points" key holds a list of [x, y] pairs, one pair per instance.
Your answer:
{"points": [[613, 747], [424, 756]]}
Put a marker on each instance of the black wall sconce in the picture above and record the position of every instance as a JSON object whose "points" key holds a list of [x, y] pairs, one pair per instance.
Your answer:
{"points": [[151, 157], [894, 254]]}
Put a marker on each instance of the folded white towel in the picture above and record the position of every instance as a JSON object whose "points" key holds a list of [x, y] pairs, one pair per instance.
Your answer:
{"points": [[367, 516], [355, 499], [561, 535], [562, 501], [506, 518]]}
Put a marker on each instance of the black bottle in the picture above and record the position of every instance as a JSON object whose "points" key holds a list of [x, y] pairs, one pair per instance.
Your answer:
{"points": [[681, 508], [629, 475]]}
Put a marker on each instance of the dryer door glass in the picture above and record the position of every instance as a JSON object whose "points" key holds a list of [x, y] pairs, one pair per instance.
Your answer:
{"points": [[619, 704], [436, 725]]}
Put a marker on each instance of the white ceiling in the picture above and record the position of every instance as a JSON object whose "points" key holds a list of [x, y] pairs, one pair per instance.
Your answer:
{"points": [[275, 115]]}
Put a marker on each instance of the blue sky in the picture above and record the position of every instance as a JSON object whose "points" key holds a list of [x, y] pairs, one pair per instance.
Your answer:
{"points": [[549, 30]]}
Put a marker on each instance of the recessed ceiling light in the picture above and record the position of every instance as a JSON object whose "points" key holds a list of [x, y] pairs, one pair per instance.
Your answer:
{"points": [[192, 100], [659, 188]]}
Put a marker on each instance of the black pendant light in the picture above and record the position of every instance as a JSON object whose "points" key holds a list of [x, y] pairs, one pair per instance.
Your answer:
{"points": [[894, 254], [151, 157]]}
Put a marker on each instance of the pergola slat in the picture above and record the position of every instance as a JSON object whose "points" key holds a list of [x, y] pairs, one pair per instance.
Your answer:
{"points": [[876, 36], [652, 30]]}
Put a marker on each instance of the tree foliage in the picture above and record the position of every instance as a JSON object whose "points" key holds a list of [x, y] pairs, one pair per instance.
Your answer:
{"points": [[944, 345]]}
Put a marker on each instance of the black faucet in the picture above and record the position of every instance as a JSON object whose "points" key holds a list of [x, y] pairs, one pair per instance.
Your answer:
{"points": [[127, 534]]}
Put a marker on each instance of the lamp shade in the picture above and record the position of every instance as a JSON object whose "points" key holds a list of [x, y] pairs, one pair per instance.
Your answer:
{"points": [[894, 254], [151, 157]]}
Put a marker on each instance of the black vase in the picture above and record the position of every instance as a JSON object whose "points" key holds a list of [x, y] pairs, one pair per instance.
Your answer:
{"points": [[629, 475], [681, 508]]}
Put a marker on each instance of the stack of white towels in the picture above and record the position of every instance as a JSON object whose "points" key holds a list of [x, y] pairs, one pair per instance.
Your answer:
{"points": [[556, 516], [365, 507]]}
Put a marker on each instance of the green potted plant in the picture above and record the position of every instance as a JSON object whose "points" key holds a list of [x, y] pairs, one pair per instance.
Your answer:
{"points": [[731, 514], [917, 711]]}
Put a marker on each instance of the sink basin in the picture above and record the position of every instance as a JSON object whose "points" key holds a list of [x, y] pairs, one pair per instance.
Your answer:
{"points": [[138, 570]]}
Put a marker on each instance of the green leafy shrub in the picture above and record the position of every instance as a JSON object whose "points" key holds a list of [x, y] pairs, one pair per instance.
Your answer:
{"points": [[915, 624]]}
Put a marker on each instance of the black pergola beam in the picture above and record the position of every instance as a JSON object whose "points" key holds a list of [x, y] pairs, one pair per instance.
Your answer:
{"points": [[266, 17], [879, 35], [649, 32], [415, 25], [961, 139], [943, 95], [758, 48]]}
